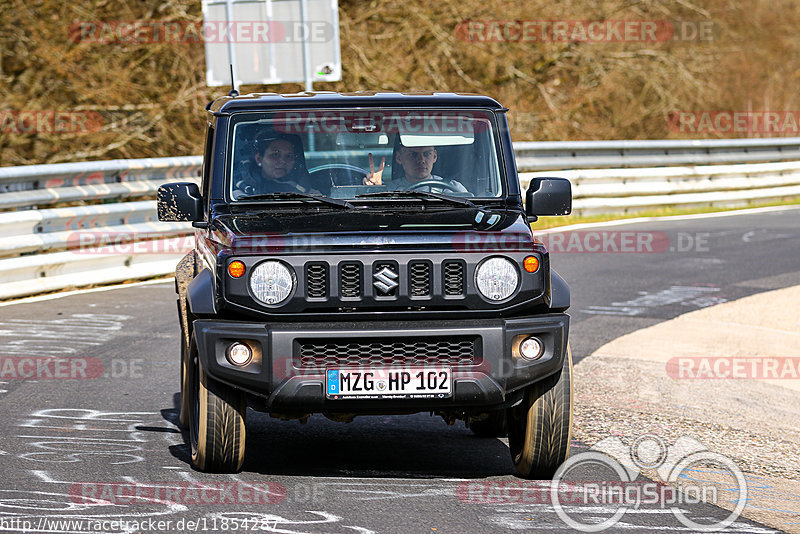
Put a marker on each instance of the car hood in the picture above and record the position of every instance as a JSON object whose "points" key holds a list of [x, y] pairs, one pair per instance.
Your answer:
{"points": [[472, 229]]}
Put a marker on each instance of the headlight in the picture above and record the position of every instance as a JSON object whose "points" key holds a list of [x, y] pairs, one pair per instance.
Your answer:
{"points": [[271, 282], [497, 278]]}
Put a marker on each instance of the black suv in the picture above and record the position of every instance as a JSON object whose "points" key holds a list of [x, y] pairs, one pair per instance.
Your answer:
{"points": [[369, 253]]}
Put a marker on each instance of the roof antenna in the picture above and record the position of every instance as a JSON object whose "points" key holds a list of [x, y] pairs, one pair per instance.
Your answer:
{"points": [[233, 91]]}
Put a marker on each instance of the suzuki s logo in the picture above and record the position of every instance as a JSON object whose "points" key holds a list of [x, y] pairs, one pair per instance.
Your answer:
{"points": [[386, 280]]}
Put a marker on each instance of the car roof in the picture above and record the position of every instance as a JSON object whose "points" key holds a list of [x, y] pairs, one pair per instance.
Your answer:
{"points": [[368, 99]]}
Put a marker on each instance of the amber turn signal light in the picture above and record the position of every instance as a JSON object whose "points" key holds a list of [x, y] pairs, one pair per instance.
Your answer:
{"points": [[236, 269], [531, 264]]}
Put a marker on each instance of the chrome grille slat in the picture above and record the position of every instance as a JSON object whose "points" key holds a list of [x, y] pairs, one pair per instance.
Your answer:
{"points": [[453, 273], [317, 281], [419, 274], [350, 280]]}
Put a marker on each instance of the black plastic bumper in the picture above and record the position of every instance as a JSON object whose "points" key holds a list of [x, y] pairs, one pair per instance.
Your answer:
{"points": [[276, 375]]}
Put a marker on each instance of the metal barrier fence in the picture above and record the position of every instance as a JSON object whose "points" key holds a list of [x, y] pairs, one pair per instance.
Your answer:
{"points": [[661, 153], [80, 224]]}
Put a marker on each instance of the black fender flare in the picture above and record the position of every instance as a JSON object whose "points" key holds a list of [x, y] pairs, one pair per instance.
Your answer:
{"points": [[185, 272], [201, 295], [559, 293]]}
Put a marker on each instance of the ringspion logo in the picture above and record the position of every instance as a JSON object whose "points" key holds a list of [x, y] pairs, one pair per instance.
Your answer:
{"points": [[686, 472]]}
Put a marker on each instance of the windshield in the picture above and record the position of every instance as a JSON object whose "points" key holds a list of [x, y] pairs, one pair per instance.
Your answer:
{"points": [[371, 154]]}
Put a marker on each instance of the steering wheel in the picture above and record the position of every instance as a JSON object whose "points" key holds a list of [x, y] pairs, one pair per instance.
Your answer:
{"points": [[434, 183], [355, 173]]}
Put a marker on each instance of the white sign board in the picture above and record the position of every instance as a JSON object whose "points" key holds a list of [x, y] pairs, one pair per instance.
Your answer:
{"points": [[271, 41]]}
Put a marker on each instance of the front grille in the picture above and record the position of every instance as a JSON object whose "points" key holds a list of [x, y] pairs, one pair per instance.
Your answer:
{"points": [[350, 279], [385, 280], [453, 273], [444, 350], [419, 274], [317, 281]]}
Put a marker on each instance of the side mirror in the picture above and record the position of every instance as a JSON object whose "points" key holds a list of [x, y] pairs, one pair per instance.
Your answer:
{"points": [[180, 202], [549, 196]]}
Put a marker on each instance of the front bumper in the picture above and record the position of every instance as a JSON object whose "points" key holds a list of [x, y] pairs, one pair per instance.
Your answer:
{"points": [[282, 381]]}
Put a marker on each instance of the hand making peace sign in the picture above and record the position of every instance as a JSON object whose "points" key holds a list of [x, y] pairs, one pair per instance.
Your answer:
{"points": [[374, 177]]}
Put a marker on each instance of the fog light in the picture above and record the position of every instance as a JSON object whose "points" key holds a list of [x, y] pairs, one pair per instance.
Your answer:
{"points": [[531, 348], [239, 354]]}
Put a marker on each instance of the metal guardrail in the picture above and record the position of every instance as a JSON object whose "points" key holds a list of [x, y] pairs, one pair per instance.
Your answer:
{"points": [[44, 185], [86, 223], [663, 153], [628, 190], [113, 237]]}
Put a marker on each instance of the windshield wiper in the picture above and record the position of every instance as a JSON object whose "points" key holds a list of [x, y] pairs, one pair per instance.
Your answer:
{"points": [[418, 194], [299, 196]]}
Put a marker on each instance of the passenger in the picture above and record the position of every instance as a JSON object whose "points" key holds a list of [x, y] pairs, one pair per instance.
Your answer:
{"points": [[415, 166], [277, 166]]}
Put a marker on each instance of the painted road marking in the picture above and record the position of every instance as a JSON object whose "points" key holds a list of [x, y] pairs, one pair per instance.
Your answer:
{"points": [[697, 296]]}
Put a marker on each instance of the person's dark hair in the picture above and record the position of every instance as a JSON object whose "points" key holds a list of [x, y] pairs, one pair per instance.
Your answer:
{"points": [[265, 138]]}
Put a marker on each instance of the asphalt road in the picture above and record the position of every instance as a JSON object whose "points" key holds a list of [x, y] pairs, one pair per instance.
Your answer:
{"points": [[107, 447], [705, 261]]}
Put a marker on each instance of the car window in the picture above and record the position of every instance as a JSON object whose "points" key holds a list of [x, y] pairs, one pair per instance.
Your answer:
{"points": [[453, 151]]}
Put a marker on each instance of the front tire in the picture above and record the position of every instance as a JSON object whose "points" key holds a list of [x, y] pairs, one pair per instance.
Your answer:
{"points": [[217, 422], [540, 427], [185, 414]]}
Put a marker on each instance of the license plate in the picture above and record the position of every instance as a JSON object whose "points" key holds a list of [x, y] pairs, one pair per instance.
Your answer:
{"points": [[405, 383]]}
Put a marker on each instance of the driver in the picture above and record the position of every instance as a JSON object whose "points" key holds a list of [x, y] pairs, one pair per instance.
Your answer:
{"points": [[277, 166], [417, 164]]}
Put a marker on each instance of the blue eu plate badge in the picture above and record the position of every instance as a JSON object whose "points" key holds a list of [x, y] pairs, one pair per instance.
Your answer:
{"points": [[333, 382]]}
